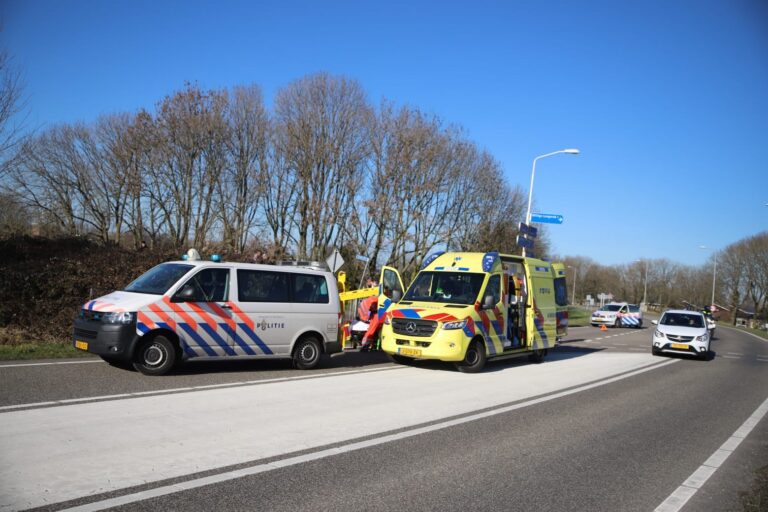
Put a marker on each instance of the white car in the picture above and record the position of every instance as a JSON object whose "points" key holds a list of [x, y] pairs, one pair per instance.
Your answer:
{"points": [[618, 314], [681, 332]]}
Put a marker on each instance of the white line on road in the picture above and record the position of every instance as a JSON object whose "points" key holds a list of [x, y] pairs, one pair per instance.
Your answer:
{"points": [[734, 353], [292, 461], [682, 494], [731, 357], [71, 401], [16, 365]]}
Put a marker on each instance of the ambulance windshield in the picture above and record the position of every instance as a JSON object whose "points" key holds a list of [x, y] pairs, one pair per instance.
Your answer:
{"points": [[157, 280], [450, 287]]}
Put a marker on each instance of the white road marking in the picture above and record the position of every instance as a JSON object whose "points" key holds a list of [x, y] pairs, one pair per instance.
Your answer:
{"points": [[292, 461], [102, 398], [56, 454], [731, 357], [18, 365], [734, 353], [693, 483]]}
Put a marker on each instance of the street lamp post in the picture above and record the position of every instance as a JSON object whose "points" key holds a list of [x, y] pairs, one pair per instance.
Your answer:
{"points": [[714, 272], [533, 174], [645, 283], [573, 293]]}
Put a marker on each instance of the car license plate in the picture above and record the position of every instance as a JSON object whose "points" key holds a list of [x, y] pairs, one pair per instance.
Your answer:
{"points": [[81, 345], [413, 352], [681, 346]]}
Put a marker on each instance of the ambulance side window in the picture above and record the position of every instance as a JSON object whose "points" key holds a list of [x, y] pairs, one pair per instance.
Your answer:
{"points": [[494, 288], [209, 285], [561, 292]]}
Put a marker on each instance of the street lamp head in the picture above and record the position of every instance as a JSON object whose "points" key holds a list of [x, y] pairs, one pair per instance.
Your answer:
{"points": [[571, 151]]}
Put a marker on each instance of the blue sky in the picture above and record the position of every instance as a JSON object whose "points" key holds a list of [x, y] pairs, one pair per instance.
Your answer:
{"points": [[667, 101]]}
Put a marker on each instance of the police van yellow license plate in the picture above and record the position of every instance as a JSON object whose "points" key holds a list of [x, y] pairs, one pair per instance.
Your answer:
{"points": [[82, 345], [681, 346], [405, 351]]}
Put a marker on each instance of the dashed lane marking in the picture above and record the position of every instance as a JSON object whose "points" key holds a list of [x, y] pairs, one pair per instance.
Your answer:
{"points": [[684, 492]]}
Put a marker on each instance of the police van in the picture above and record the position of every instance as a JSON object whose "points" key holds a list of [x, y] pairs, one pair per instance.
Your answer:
{"points": [[193, 309], [470, 307]]}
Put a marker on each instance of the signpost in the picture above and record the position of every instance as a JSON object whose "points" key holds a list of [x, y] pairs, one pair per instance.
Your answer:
{"points": [[524, 242], [528, 230], [547, 218]]}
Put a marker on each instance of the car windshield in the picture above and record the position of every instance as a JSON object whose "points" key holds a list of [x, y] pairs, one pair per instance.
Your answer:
{"points": [[157, 280], [611, 307], [451, 287], [682, 320]]}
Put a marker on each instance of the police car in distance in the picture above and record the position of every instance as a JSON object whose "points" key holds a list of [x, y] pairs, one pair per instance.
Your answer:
{"points": [[618, 314], [681, 332], [194, 309]]}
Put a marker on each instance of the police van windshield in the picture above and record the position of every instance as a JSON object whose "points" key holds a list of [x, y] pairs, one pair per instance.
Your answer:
{"points": [[451, 287], [157, 280]]}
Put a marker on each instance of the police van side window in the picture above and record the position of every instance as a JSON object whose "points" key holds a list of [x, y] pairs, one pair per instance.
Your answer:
{"points": [[208, 285], [262, 286], [310, 289]]}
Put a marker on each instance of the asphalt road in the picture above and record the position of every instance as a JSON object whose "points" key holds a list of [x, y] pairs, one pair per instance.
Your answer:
{"points": [[600, 425]]}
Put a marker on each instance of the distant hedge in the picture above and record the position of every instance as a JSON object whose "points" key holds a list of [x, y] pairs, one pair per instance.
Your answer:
{"points": [[43, 282]]}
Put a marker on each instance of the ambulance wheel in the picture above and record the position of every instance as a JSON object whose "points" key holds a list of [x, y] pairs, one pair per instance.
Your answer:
{"points": [[474, 358], [155, 356], [537, 356], [306, 354]]}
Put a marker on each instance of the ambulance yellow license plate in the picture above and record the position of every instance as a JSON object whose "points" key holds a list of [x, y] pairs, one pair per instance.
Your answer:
{"points": [[81, 345], [413, 352], [680, 346]]}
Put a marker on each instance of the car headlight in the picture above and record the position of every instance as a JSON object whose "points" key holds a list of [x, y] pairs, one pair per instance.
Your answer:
{"points": [[459, 324], [658, 333], [122, 317], [703, 337]]}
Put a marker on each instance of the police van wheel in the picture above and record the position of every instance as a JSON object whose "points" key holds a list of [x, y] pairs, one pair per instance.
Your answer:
{"points": [[474, 359], [617, 324], [155, 356], [306, 355]]}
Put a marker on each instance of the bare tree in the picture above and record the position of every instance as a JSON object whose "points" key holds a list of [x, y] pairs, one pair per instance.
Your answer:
{"points": [[11, 106], [242, 181], [321, 135]]}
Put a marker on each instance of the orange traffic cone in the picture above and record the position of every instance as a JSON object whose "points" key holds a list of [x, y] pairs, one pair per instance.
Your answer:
{"points": [[603, 328]]}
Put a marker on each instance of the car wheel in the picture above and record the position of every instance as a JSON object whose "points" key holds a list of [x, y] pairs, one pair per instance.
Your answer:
{"points": [[474, 358], [306, 354], [155, 356], [617, 323], [640, 324]]}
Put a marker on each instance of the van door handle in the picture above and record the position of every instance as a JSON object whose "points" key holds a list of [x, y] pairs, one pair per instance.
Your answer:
{"points": [[225, 305]]}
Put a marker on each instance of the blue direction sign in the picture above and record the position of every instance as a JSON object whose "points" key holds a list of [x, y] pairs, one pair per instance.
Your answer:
{"points": [[524, 242], [547, 218], [530, 231]]}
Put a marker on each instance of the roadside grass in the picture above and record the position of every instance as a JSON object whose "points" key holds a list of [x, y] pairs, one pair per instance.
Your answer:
{"points": [[757, 332], [15, 344], [578, 317]]}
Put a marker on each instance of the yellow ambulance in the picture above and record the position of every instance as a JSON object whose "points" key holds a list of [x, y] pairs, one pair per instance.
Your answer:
{"points": [[468, 307]]}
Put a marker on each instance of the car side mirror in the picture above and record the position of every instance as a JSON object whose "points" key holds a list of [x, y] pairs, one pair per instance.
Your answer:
{"points": [[655, 322], [396, 295], [186, 294], [488, 302]]}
